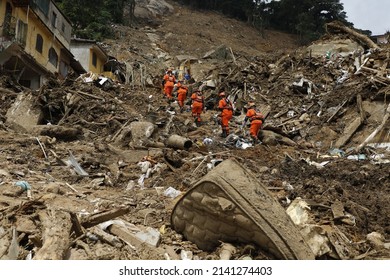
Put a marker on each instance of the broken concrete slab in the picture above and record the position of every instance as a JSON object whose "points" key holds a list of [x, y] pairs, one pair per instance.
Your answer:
{"points": [[24, 114], [141, 130], [135, 235]]}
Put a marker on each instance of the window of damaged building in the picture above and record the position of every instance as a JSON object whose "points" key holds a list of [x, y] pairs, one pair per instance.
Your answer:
{"points": [[39, 43], [94, 59], [64, 68], [21, 33], [53, 57], [54, 19], [43, 5]]}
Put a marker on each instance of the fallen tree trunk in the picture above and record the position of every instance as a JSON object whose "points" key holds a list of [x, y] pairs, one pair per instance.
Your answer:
{"points": [[57, 226], [335, 25], [59, 132]]}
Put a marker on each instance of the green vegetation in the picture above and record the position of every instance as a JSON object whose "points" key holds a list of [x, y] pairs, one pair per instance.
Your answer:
{"points": [[94, 20], [305, 18]]}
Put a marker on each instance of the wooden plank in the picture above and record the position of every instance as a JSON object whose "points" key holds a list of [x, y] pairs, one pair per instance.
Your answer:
{"points": [[336, 112], [375, 132], [101, 217], [349, 131], [4, 243], [106, 237], [337, 210], [360, 107], [77, 228]]}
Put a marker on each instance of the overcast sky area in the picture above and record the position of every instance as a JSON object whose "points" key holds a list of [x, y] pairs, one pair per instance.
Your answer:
{"points": [[370, 15]]}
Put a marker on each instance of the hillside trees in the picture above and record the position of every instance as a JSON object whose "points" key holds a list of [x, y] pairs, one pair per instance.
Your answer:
{"points": [[94, 21], [306, 18]]}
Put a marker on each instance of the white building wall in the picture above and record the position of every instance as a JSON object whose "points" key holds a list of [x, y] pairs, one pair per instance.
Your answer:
{"points": [[81, 53]]}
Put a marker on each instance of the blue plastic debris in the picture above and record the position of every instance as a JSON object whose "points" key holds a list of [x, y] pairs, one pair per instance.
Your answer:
{"points": [[24, 185]]}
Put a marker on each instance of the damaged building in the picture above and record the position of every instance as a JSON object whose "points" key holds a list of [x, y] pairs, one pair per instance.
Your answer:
{"points": [[35, 42]]}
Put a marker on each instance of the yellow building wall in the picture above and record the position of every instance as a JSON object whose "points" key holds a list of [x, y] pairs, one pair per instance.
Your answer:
{"points": [[98, 69], [36, 27], [2, 15]]}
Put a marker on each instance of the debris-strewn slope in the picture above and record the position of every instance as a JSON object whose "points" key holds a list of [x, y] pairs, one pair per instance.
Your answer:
{"points": [[105, 178]]}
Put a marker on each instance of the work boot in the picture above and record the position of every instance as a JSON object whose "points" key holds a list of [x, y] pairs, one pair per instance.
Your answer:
{"points": [[223, 134]]}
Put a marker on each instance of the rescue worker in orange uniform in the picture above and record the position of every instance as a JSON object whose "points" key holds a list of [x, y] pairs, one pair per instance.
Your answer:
{"points": [[182, 91], [226, 108], [256, 118], [197, 106], [169, 82]]}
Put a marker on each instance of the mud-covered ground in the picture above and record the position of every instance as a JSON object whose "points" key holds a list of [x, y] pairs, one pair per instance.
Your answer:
{"points": [[110, 154]]}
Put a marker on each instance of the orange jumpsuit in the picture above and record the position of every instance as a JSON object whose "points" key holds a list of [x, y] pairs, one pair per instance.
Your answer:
{"points": [[226, 107], [256, 119], [181, 96], [197, 106], [170, 80]]}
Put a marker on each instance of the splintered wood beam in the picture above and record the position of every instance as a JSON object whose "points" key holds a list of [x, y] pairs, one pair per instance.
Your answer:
{"points": [[337, 111], [375, 132], [101, 217], [106, 237], [349, 131], [360, 107], [77, 228]]}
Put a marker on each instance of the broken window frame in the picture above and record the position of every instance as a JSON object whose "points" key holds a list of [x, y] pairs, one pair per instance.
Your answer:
{"points": [[21, 32]]}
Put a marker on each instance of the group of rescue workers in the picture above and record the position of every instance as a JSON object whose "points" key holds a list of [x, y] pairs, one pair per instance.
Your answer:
{"points": [[225, 106]]}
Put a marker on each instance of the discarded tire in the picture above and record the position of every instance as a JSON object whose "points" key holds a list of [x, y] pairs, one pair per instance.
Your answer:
{"points": [[230, 205]]}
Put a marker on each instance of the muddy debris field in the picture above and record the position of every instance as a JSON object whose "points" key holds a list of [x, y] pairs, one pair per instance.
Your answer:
{"points": [[115, 171]]}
